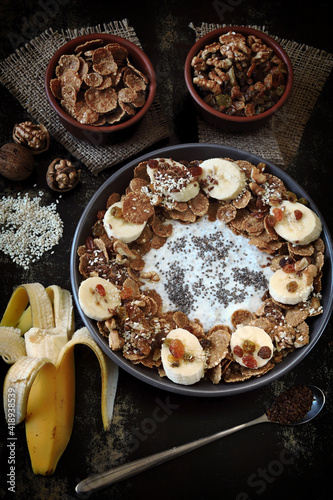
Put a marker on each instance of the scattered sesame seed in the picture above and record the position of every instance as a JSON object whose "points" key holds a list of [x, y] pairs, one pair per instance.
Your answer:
{"points": [[27, 229]]}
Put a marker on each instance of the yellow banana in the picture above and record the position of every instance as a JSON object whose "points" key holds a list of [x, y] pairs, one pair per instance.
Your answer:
{"points": [[43, 374]]}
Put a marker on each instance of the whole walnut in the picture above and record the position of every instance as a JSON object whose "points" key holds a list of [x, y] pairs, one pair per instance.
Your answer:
{"points": [[16, 162]]}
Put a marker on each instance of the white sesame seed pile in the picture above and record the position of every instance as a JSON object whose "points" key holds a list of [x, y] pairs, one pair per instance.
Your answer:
{"points": [[27, 229]]}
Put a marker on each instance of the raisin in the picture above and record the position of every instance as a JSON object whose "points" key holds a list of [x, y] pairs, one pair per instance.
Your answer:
{"points": [[289, 268], [100, 290], [249, 361], [152, 163], [126, 292], [100, 214], [116, 212], [238, 351], [249, 346], [286, 260], [292, 286], [195, 170], [265, 352], [298, 214], [177, 348], [278, 214]]}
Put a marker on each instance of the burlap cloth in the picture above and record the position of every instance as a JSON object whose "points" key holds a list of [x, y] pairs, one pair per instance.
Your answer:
{"points": [[23, 74], [278, 141]]}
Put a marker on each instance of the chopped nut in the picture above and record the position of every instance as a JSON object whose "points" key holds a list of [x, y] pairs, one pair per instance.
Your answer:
{"points": [[150, 275], [258, 176], [301, 264], [310, 273], [62, 175], [255, 188], [34, 137]]}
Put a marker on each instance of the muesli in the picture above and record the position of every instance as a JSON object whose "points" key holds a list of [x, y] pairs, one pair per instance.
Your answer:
{"points": [[239, 75], [119, 290], [98, 84]]}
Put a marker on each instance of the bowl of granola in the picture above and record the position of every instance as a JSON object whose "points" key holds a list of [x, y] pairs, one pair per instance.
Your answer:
{"points": [[152, 273], [100, 86], [238, 77]]}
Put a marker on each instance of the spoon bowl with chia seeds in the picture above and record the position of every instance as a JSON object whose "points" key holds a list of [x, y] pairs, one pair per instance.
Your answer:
{"points": [[297, 405]]}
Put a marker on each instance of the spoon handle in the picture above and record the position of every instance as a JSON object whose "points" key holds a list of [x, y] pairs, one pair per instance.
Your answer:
{"points": [[100, 480]]}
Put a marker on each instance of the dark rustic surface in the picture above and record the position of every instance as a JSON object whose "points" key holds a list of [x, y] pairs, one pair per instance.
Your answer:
{"points": [[261, 462]]}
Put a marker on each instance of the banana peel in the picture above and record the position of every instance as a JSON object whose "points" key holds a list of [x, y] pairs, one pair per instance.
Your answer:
{"points": [[42, 372]]}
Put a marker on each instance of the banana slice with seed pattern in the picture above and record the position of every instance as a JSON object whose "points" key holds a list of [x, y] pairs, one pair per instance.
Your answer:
{"points": [[173, 180], [221, 179], [298, 224], [98, 298], [183, 357]]}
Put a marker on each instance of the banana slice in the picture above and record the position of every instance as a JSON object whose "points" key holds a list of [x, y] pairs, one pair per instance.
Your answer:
{"points": [[183, 357], [289, 288], [118, 228], [251, 346], [172, 179], [299, 224], [98, 298], [222, 179]]}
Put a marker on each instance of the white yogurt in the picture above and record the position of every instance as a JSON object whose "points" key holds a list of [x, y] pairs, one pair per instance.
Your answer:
{"points": [[208, 272]]}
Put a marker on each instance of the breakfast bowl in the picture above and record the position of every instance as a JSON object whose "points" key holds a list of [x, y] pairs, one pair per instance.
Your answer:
{"points": [[100, 86], [237, 82], [118, 183]]}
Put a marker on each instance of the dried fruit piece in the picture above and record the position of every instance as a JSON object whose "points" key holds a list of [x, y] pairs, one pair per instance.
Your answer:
{"points": [[177, 348], [265, 352], [238, 351], [249, 361]]}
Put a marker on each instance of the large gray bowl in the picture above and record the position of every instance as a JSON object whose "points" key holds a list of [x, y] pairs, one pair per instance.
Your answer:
{"points": [[117, 183]]}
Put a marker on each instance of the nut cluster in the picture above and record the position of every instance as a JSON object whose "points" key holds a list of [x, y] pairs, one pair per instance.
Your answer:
{"points": [[62, 175], [34, 137]]}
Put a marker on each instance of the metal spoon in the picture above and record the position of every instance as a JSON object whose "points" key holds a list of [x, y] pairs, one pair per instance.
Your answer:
{"points": [[103, 479]]}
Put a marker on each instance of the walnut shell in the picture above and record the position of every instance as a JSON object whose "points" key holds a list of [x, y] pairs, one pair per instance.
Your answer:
{"points": [[16, 162], [34, 137], [62, 176]]}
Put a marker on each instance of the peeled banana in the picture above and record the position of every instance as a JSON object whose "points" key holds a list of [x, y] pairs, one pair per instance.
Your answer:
{"points": [[42, 374]]}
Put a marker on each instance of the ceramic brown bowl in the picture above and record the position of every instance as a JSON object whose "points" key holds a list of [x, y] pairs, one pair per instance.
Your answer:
{"points": [[221, 120], [104, 134]]}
